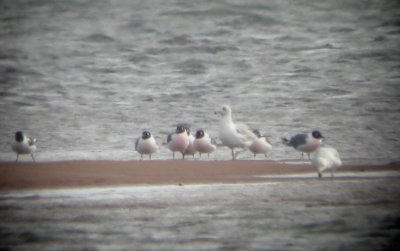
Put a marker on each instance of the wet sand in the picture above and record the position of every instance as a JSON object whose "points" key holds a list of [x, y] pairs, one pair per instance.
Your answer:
{"points": [[70, 174]]}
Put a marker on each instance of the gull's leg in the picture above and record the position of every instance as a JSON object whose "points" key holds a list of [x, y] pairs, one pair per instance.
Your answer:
{"points": [[33, 157], [17, 158]]}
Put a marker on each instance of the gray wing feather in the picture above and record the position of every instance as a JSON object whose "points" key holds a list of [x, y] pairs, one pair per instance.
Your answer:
{"points": [[169, 138], [137, 143], [247, 134], [297, 140]]}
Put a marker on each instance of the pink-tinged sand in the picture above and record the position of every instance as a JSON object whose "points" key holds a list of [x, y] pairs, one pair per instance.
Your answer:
{"points": [[71, 174]]}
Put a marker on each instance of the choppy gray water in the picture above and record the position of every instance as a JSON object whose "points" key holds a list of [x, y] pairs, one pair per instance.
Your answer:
{"points": [[86, 77], [347, 214]]}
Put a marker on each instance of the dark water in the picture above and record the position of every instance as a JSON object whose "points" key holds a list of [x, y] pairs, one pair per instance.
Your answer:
{"points": [[86, 77], [345, 214]]}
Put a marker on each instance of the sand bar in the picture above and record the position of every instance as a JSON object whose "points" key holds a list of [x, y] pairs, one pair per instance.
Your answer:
{"points": [[70, 174]]}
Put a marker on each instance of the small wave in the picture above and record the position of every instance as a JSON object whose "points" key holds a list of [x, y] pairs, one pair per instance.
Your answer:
{"points": [[307, 48], [332, 92], [4, 69], [99, 38], [177, 40], [211, 49], [384, 55], [192, 66], [341, 29]]}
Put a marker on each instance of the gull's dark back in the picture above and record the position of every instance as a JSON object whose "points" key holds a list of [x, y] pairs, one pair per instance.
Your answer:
{"points": [[297, 140]]}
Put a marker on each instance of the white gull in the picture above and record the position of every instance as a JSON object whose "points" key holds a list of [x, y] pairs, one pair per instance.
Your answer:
{"points": [[146, 144], [203, 143], [326, 158], [178, 141], [261, 145], [234, 135]]}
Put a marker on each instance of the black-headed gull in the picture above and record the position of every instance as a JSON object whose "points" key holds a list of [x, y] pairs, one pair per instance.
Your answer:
{"points": [[146, 144], [203, 143], [261, 145], [233, 135], [178, 141], [23, 145], [305, 143], [190, 150], [325, 158]]}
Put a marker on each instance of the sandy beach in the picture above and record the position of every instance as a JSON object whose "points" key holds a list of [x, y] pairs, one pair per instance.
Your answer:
{"points": [[197, 205], [69, 174]]}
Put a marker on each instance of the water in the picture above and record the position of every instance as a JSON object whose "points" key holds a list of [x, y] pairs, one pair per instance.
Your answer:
{"points": [[308, 214], [86, 77]]}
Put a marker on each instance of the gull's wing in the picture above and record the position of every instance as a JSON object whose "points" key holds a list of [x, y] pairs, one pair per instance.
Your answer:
{"points": [[137, 143], [297, 140], [169, 138], [245, 133]]}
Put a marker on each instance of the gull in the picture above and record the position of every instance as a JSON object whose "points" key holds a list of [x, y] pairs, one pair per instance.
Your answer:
{"points": [[190, 150], [178, 141], [146, 144], [260, 145], [305, 143], [202, 143], [23, 145], [326, 158], [233, 135]]}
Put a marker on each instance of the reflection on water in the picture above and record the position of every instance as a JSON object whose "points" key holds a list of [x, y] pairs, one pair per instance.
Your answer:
{"points": [[311, 214]]}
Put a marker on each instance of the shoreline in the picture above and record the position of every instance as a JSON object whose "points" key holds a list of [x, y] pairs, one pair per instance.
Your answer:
{"points": [[105, 173]]}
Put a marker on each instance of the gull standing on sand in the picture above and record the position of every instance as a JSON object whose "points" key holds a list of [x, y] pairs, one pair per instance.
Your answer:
{"points": [[190, 150], [146, 144], [233, 135], [260, 145], [202, 143], [178, 141], [23, 145], [326, 158], [305, 143]]}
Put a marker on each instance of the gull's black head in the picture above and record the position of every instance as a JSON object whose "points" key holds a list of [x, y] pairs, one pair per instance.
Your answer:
{"points": [[146, 135], [186, 126], [199, 134], [180, 129], [257, 133], [19, 136], [317, 135]]}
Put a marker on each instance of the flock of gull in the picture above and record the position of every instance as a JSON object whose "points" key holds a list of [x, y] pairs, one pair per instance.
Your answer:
{"points": [[232, 135]]}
